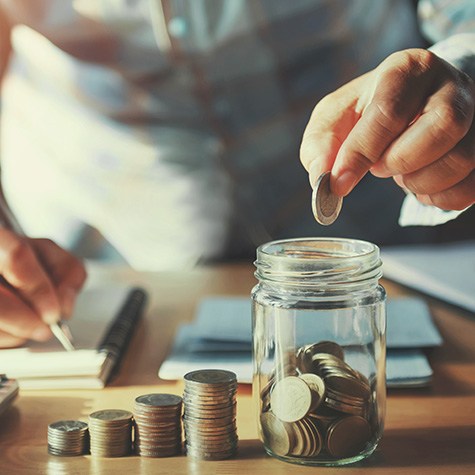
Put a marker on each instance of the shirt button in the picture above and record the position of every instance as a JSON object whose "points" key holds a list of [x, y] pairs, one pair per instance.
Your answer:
{"points": [[178, 27]]}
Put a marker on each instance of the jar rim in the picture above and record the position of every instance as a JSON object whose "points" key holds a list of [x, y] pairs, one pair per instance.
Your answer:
{"points": [[345, 244], [317, 260]]}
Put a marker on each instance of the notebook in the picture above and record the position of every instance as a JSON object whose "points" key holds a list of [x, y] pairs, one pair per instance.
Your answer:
{"points": [[103, 322], [220, 337], [444, 271]]}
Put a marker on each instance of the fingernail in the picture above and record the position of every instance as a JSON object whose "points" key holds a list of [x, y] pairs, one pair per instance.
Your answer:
{"points": [[424, 199], [344, 183], [51, 317], [315, 170], [41, 334], [399, 180], [380, 171]]}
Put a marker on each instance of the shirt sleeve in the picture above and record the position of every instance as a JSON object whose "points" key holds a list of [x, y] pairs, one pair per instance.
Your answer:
{"points": [[450, 27]]}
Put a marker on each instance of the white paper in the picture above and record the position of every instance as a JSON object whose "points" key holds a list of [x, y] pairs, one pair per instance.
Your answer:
{"points": [[49, 365], [445, 271]]}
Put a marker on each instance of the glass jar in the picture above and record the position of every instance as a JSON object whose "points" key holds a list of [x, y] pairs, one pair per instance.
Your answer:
{"points": [[319, 349]]}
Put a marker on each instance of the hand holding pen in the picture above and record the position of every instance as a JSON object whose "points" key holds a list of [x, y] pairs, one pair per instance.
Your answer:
{"points": [[40, 282]]}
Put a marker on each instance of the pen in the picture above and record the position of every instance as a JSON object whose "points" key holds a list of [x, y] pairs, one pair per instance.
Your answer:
{"points": [[59, 329], [62, 333]]}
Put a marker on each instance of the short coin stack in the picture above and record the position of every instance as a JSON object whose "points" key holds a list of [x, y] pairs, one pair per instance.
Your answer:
{"points": [[158, 425], [68, 438], [325, 409], [210, 414], [110, 433]]}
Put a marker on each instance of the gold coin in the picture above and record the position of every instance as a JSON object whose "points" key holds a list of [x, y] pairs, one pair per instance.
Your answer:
{"points": [[329, 348], [346, 408], [349, 386], [338, 396], [291, 399], [317, 386], [316, 441], [348, 436], [299, 439], [326, 362], [275, 434], [326, 206]]}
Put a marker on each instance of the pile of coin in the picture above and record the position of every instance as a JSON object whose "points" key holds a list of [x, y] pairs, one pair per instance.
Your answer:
{"points": [[323, 410], [68, 438], [110, 433], [158, 425], [210, 414]]}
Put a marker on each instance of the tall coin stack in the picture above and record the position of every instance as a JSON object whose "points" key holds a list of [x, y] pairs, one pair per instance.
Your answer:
{"points": [[110, 433], [68, 438], [158, 425], [210, 414]]}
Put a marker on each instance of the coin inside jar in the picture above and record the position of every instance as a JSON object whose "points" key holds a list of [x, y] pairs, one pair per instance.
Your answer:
{"points": [[326, 206], [275, 434], [348, 436], [317, 386], [291, 399]]}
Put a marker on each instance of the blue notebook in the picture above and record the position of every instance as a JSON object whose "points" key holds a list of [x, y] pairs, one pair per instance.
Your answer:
{"points": [[220, 337]]}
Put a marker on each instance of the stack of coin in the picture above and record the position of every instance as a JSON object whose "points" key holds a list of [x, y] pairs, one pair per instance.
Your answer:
{"points": [[68, 438], [346, 390], [325, 409], [110, 433], [210, 414], [158, 425]]}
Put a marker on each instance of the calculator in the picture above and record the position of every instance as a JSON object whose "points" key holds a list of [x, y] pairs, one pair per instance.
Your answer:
{"points": [[8, 392]]}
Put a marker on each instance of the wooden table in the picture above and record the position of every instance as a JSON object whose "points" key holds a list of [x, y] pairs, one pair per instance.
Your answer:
{"points": [[428, 431]]}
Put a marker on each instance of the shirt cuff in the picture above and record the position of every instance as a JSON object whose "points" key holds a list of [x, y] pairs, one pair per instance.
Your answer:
{"points": [[414, 213], [458, 50]]}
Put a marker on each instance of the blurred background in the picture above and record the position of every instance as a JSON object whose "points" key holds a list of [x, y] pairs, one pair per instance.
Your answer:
{"points": [[166, 133]]}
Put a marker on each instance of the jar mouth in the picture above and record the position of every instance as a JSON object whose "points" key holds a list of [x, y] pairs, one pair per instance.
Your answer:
{"points": [[318, 260]]}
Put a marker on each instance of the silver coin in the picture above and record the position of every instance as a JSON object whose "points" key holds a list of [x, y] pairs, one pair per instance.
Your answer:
{"points": [[68, 438], [159, 400], [210, 377], [326, 206], [110, 416], [68, 426]]}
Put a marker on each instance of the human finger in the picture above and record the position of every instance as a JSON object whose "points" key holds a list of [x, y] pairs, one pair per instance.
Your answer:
{"points": [[401, 85], [19, 320], [10, 341], [67, 271], [443, 123], [330, 123], [457, 197], [444, 173], [20, 267]]}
